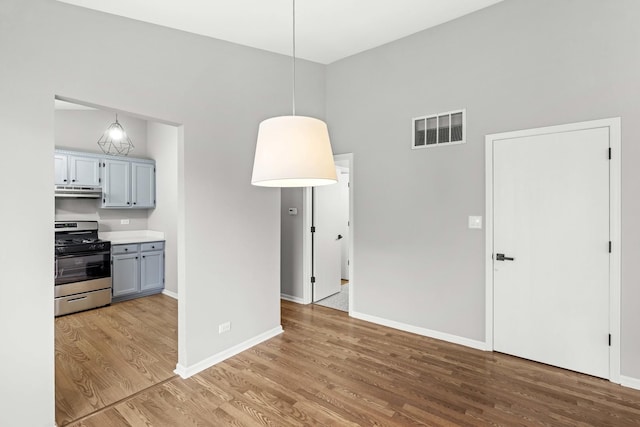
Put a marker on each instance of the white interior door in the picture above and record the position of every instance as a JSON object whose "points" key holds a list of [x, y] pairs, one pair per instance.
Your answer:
{"points": [[327, 220], [551, 215], [343, 183]]}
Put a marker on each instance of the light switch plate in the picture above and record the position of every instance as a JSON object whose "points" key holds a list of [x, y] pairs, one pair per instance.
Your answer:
{"points": [[475, 222], [124, 221]]}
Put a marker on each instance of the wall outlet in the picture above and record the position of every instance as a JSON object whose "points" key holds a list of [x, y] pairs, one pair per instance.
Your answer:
{"points": [[124, 222], [475, 222], [224, 327]]}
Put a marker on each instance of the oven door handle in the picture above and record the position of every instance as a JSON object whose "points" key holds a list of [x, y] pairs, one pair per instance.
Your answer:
{"points": [[79, 254], [56, 269]]}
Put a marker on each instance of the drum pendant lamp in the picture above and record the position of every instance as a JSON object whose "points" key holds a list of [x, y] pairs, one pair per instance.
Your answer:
{"points": [[293, 151]]}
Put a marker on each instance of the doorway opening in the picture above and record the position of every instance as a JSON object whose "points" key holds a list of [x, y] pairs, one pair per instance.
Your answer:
{"points": [[328, 240], [109, 353]]}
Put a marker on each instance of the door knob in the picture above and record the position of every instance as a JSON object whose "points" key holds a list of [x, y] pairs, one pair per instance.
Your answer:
{"points": [[339, 237], [501, 257]]}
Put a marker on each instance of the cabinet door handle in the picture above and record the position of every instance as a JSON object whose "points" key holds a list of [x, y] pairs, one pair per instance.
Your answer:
{"points": [[134, 203], [143, 256], [136, 257], [126, 249], [153, 247], [73, 180], [65, 180]]}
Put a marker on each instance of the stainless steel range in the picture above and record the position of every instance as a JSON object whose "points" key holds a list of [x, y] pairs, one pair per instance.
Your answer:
{"points": [[82, 267]]}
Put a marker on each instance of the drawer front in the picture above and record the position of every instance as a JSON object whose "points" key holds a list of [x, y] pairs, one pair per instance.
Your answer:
{"points": [[80, 302], [80, 287], [124, 249], [152, 246]]}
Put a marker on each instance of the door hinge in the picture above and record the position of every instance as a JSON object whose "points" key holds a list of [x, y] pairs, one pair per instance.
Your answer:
{"points": [[609, 246], [313, 229], [313, 279], [609, 340], [609, 153]]}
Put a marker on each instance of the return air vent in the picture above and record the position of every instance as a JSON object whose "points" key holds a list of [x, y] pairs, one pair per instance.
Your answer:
{"points": [[439, 129]]}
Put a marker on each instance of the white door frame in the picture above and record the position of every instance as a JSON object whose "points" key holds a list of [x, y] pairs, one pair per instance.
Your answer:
{"points": [[306, 239], [614, 227]]}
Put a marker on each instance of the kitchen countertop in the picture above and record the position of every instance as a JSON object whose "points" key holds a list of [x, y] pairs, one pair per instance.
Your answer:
{"points": [[133, 236]]}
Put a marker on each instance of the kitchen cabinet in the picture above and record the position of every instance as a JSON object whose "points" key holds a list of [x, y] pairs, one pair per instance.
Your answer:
{"points": [[125, 273], [125, 182], [61, 163], [137, 270], [77, 170], [116, 192], [151, 270], [143, 185], [129, 184]]}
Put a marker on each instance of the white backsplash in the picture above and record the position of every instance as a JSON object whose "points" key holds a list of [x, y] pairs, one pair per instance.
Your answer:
{"points": [[108, 219]]}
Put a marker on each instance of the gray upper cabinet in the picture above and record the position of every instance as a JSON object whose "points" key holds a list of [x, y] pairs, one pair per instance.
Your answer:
{"points": [[143, 185], [116, 192], [61, 168], [129, 184], [77, 170], [126, 182], [84, 171]]}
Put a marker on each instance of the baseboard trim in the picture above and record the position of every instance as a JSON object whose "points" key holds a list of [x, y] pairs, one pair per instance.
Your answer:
{"points": [[630, 382], [171, 294], [479, 345], [291, 298], [187, 371]]}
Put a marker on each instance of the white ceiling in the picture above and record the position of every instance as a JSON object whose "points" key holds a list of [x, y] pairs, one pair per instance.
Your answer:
{"points": [[326, 30]]}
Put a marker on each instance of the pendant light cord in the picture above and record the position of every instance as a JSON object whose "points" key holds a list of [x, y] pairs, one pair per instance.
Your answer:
{"points": [[294, 58]]}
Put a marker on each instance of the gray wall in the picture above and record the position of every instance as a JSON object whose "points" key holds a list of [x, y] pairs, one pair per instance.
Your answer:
{"points": [[291, 234], [519, 64], [80, 130], [163, 148], [229, 233]]}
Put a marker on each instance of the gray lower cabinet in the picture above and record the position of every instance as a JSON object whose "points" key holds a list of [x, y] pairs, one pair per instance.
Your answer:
{"points": [[137, 270]]}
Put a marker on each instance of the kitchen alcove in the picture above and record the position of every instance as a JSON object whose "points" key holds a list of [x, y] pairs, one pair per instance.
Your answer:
{"points": [[77, 129]]}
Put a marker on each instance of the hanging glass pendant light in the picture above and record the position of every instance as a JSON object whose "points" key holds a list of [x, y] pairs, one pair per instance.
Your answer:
{"points": [[293, 151], [115, 141]]}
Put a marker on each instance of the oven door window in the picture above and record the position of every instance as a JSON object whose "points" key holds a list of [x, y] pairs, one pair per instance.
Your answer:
{"points": [[81, 267]]}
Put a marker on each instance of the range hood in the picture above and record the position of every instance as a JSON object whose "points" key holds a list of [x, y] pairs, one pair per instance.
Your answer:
{"points": [[78, 192]]}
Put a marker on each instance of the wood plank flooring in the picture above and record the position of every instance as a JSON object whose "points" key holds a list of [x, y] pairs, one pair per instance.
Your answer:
{"points": [[329, 369], [108, 354]]}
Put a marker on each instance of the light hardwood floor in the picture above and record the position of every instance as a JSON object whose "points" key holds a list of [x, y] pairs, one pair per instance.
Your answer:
{"points": [[329, 369], [108, 354]]}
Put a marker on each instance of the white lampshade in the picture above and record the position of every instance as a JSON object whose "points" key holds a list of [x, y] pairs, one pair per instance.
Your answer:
{"points": [[293, 151]]}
